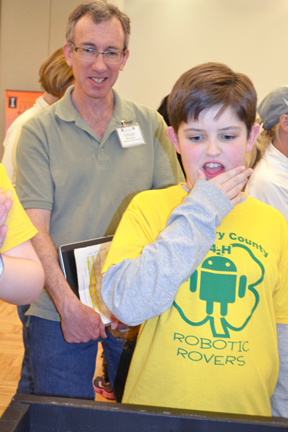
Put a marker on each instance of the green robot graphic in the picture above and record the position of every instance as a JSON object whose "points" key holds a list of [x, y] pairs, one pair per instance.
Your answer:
{"points": [[218, 283]]}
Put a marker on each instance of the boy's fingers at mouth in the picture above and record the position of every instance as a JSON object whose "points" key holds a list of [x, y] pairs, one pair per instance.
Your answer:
{"points": [[238, 180], [237, 174], [201, 174]]}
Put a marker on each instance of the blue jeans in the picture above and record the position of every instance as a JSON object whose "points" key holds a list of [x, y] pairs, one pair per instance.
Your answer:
{"points": [[63, 369], [26, 384]]}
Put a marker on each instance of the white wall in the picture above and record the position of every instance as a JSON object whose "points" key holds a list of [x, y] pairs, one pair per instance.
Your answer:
{"points": [[168, 37], [171, 36]]}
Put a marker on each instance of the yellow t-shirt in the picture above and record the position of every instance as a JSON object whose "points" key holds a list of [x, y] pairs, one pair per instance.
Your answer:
{"points": [[216, 348], [20, 228]]}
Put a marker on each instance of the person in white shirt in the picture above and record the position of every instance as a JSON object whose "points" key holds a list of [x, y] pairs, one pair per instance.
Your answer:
{"points": [[269, 181], [55, 76]]}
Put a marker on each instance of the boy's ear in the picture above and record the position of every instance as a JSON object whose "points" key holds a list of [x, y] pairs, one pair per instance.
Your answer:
{"points": [[284, 122], [173, 138], [255, 129]]}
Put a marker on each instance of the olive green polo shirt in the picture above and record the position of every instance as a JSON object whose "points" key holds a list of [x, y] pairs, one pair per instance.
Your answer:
{"points": [[87, 183]]}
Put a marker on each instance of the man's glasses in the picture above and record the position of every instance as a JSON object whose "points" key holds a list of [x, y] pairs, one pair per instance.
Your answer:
{"points": [[89, 54]]}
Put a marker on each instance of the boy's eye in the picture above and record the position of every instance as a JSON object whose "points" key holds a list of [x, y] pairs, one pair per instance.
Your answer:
{"points": [[195, 138], [228, 137]]}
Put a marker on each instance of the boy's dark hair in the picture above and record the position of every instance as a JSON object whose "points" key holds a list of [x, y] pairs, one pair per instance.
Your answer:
{"points": [[207, 86], [163, 109]]}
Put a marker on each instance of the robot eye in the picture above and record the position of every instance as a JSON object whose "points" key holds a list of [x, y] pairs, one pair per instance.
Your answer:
{"points": [[227, 264], [210, 262]]}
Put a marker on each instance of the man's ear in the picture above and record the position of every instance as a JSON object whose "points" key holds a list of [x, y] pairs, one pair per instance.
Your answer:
{"points": [[284, 122], [255, 129], [173, 138], [67, 53], [124, 60]]}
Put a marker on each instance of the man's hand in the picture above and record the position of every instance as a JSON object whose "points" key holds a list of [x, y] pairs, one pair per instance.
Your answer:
{"points": [[5, 205], [230, 182], [81, 323]]}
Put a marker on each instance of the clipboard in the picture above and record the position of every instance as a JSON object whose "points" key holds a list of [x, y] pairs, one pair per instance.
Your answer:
{"points": [[67, 259]]}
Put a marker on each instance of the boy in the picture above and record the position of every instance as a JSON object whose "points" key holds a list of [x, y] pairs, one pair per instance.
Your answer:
{"points": [[210, 341], [21, 273]]}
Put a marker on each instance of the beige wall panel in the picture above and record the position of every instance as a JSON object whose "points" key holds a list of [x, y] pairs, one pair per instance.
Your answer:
{"points": [[60, 11], [23, 46]]}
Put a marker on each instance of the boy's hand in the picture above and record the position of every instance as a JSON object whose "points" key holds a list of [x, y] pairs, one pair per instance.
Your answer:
{"points": [[5, 205], [121, 330], [117, 325], [230, 182]]}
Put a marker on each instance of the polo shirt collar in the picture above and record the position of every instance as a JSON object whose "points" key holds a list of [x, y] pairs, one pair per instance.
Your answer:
{"points": [[122, 110], [66, 111]]}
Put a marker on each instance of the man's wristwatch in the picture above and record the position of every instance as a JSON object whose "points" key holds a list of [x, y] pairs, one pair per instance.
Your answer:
{"points": [[1, 267]]}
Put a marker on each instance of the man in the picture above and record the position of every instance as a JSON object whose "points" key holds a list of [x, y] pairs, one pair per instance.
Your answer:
{"points": [[80, 162]]}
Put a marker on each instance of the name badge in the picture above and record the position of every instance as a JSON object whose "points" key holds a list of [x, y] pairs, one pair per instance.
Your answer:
{"points": [[130, 136]]}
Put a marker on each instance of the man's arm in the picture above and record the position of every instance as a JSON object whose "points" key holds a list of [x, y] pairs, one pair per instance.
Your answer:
{"points": [[141, 288], [79, 323], [279, 400]]}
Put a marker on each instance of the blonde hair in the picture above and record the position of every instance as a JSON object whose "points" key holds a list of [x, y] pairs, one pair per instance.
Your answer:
{"points": [[262, 142], [55, 75]]}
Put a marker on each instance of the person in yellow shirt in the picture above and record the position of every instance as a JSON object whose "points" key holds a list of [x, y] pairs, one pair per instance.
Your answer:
{"points": [[202, 270], [21, 273]]}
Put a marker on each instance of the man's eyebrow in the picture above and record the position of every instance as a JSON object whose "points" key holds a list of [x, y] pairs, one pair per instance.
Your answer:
{"points": [[88, 44]]}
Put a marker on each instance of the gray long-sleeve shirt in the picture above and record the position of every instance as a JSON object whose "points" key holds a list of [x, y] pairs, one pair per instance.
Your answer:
{"points": [[133, 289]]}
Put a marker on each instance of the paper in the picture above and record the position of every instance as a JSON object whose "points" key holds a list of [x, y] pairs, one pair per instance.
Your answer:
{"points": [[130, 136], [89, 262]]}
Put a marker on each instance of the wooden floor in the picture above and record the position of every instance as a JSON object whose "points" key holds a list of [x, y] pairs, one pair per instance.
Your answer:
{"points": [[11, 354]]}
